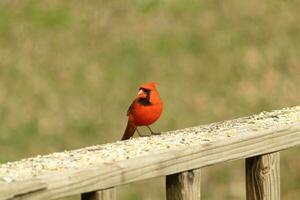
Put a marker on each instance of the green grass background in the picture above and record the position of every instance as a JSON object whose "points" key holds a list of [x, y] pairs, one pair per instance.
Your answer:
{"points": [[70, 69]]}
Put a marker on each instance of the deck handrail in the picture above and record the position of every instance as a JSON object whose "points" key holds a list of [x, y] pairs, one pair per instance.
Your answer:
{"points": [[95, 171]]}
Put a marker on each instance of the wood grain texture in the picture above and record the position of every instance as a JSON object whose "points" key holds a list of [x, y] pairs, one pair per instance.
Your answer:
{"points": [[108, 194], [184, 186], [21, 188], [263, 177], [246, 142]]}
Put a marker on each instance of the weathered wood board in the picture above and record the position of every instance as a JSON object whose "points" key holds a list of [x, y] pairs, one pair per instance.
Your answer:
{"points": [[105, 166]]}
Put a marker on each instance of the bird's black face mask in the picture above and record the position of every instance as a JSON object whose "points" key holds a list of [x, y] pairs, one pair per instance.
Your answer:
{"points": [[145, 101]]}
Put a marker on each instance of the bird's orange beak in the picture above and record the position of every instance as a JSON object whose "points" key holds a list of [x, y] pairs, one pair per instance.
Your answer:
{"points": [[141, 94]]}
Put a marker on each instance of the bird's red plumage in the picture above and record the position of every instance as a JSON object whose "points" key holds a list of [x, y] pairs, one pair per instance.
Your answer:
{"points": [[144, 110]]}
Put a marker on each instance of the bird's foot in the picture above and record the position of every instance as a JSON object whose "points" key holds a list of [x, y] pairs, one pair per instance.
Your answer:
{"points": [[144, 135], [154, 133]]}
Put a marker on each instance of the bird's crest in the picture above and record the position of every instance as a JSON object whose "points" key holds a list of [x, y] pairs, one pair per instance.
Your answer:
{"points": [[149, 86]]}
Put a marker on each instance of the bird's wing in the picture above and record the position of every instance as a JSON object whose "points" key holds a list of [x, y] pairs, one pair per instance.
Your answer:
{"points": [[131, 108]]}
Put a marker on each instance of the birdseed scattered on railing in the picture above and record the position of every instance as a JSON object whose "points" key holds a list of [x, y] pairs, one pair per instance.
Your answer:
{"points": [[122, 150]]}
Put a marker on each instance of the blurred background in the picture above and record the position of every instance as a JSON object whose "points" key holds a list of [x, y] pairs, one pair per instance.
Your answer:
{"points": [[70, 69]]}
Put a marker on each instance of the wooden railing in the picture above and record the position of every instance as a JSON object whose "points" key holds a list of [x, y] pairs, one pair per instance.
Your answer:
{"points": [[179, 155]]}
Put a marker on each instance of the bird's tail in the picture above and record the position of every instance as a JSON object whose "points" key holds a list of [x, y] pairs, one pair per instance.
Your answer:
{"points": [[129, 131]]}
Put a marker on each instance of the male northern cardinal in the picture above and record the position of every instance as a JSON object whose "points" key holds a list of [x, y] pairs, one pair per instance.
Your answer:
{"points": [[144, 110]]}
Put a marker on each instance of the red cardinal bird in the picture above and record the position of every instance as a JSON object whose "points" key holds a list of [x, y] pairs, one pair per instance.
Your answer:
{"points": [[144, 110]]}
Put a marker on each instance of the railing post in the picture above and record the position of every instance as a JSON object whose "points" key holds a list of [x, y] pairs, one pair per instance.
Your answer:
{"points": [[108, 194], [263, 177], [184, 185]]}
